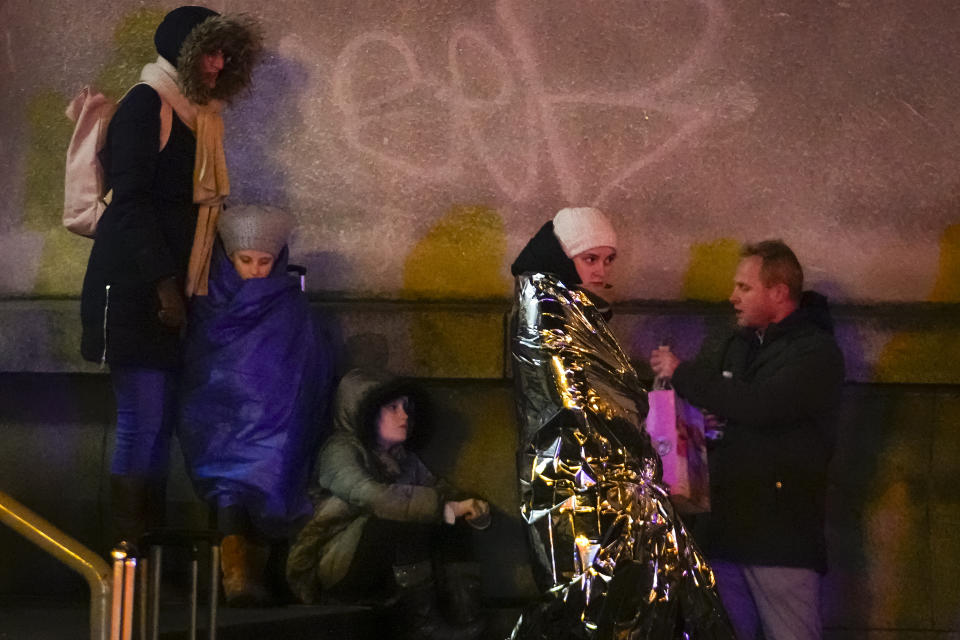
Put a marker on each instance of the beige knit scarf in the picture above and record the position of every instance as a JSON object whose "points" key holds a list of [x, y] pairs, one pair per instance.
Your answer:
{"points": [[211, 184]]}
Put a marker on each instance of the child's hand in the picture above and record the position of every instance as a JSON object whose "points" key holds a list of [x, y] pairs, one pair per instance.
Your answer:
{"points": [[470, 508], [474, 510]]}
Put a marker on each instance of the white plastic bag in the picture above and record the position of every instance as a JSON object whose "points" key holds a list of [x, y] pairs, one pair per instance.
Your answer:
{"points": [[677, 432]]}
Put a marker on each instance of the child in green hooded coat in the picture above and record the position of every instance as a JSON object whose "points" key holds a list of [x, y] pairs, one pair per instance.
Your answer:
{"points": [[380, 514]]}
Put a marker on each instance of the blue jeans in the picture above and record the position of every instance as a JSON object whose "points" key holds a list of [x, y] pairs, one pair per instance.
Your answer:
{"points": [[146, 416]]}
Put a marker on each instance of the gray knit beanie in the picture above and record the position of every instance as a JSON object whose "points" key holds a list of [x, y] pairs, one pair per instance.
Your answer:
{"points": [[256, 227]]}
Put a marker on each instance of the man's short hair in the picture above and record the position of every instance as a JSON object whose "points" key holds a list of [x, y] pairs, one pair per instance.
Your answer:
{"points": [[779, 265]]}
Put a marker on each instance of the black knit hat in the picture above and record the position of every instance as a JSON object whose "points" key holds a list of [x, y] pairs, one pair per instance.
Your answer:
{"points": [[175, 28]]}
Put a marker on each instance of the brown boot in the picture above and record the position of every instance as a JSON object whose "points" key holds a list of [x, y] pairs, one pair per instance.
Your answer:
{"points": [[243, 564]]}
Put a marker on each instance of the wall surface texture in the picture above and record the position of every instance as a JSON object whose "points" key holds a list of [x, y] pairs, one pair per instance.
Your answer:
{"points": [[891, 523], [420, 144]]}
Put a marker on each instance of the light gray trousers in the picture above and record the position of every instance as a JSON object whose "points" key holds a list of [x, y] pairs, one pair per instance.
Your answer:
{"points": [[773, 603]]}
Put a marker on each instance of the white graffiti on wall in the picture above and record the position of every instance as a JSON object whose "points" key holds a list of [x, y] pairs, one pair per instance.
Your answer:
{"points": [[9, 65], [540, 110]]}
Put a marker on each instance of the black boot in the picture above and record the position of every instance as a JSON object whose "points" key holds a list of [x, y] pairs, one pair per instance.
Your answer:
{"points": [[156, 509], [418, 606], [461, 593], [128, 507]]}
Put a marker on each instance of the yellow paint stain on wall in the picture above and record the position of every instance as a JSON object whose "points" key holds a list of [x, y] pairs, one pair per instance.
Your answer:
{"points": [[460, 258], [63, 265], [457, 345], [133, 48], [710, 274], [489, 448], [947, 286], [892, 474], [891, 527], [49, 135], [931, 355]]}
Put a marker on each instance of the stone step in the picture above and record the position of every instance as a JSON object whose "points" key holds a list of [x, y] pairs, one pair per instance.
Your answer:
{"points": [[42, 619]]}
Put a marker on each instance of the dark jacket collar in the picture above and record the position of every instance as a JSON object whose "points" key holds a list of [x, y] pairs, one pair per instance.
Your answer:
{"points": [[813, 312], [543, 254]]}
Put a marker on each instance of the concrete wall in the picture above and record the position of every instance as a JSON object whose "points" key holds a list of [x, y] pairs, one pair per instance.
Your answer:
{"points": [[891, 527], [906, 343], [892, 509], [420, 144]]}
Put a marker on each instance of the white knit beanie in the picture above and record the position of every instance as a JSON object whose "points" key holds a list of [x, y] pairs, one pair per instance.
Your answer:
{"points": [[256, 227], [582, 228]]}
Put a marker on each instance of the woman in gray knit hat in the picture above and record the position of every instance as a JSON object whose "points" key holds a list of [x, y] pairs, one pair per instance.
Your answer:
{"points": [[253, 237], [255, 377]]}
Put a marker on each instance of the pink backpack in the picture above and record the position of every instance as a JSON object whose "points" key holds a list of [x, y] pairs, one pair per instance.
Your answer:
{"points": [[85, 195]]}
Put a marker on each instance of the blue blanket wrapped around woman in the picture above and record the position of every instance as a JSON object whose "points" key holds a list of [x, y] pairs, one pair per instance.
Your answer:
{"points": [[254, 381]]}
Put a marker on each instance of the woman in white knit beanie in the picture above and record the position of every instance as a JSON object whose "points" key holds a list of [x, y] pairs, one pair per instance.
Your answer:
{"points": [[578, 394], [588, 238], [579, 246]]}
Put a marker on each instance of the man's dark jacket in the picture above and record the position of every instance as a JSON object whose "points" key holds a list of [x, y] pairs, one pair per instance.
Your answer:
{"points": [[768, 473]]}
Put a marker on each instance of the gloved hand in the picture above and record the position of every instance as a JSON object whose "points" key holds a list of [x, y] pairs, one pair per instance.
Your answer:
{"points": [[173, 309]]}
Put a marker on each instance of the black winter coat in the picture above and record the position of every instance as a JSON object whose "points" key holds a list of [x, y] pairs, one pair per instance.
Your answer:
{"points": [[768, 474], [145, 235]]}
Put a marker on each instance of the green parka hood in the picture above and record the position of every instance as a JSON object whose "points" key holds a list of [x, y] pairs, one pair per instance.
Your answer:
{"points": [[361, 394]]}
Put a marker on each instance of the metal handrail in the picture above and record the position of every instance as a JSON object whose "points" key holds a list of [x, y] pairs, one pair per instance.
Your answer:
{"points": [[69, 552]]}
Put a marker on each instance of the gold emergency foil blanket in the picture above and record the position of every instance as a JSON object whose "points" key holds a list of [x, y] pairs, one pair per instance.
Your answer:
{"points": [[611, 556]]}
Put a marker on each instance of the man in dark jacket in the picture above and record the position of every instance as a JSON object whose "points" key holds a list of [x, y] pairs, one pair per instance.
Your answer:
{"points": [[774, 386]]}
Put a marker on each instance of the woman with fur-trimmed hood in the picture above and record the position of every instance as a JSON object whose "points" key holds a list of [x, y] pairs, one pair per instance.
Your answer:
{"points": [[164, 161]]}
